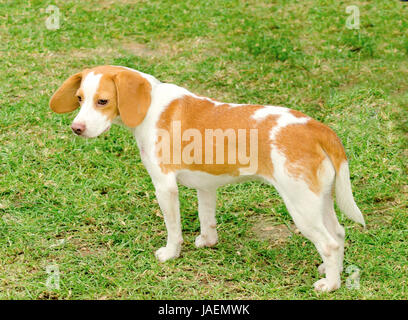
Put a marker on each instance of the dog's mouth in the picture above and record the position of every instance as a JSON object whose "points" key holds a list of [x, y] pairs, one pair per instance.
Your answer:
{"points": [[87, 134], [107, 129]]}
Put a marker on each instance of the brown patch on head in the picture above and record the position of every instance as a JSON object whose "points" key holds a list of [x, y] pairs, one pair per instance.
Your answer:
{"points": [[107, 91], [126, 91], [202, 115], [134, 97], [64, 99], [305, 146]]}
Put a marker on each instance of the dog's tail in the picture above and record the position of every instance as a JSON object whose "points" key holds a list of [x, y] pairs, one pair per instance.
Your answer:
{"points": [[333, 147], [344, 195]]}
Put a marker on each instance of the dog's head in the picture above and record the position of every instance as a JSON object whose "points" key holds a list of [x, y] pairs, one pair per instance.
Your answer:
{"points": [[103, 94]]}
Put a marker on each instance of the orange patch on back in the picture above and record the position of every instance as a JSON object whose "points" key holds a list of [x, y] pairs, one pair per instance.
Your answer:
{"points": [[203, 114], [297, 114], [305, 146]]}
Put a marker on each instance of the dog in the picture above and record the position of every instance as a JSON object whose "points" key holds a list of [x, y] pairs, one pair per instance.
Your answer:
{"points": [[175, 132]]}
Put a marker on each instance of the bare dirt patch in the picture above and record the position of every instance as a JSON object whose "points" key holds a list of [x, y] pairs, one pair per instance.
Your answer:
{"points": [[271, 231], [84, 248], [139, 49]]}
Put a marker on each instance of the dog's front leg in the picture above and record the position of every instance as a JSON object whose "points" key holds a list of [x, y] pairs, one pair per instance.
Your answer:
{"points": [[207, 200], [167, 198]]}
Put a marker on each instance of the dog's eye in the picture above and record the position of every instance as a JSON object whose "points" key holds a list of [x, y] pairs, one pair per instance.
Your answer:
{"points": [[79, 98], [102, 102]]}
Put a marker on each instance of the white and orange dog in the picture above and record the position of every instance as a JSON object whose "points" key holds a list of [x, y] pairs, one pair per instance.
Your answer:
{"points": [[174, 129]]}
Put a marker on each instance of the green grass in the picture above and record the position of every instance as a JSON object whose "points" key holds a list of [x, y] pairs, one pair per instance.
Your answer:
{"points": [[88, 206]]}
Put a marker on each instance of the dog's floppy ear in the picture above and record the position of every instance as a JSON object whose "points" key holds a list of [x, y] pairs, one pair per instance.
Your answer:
{"points": [[134, 96], [64, 99]]}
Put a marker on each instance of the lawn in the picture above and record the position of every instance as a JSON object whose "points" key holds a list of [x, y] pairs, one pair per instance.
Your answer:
{"points": [[87, 206]]}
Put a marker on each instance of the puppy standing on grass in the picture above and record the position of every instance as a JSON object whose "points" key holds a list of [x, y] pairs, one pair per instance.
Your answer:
{"points": [[302, 158]]}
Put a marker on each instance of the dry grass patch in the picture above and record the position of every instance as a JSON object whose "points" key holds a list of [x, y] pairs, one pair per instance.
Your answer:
{"points": [[269, 230]]}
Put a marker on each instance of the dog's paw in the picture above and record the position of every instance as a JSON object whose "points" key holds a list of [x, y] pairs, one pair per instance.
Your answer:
{"points": [[167, 253], [205, 241], [324, 285]]}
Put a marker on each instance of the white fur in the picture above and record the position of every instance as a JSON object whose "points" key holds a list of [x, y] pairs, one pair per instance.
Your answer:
{"points": [[344, 195], [207, 200], [95, 122], [262, 113], [285, 118]]}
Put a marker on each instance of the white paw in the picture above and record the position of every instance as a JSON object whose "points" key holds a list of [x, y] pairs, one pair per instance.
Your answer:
{"points": [[205, 241], [166, 253], [325, 285]]}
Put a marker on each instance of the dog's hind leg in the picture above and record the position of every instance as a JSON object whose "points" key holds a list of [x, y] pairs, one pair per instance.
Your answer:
{"points": [[310, 211], [337, 232]]}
